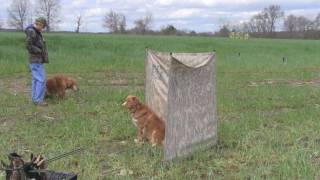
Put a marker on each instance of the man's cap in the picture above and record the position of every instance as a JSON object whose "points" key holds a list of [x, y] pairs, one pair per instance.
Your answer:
{"points": [[42, 20]]}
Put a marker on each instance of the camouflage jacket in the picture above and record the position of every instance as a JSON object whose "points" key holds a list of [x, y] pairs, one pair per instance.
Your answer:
{"points": [[36, 46]]}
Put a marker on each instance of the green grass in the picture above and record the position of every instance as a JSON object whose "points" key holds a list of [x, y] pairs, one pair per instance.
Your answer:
{"points": [[267, 130]]}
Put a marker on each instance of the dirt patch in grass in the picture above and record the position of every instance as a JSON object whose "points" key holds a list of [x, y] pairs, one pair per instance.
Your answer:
{"points": [[275, 82], [253, 72], [107, 79], [6, 123], [311, 69], [20, 85], [17, 85], [278, 110], [114, 79], [43, 114]]}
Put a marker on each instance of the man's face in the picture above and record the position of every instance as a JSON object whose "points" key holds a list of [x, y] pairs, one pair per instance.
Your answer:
{"points": [[39, 26]]}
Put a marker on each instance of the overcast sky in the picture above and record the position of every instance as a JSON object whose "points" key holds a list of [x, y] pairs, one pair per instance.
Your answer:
{"points": [[198, 15]]}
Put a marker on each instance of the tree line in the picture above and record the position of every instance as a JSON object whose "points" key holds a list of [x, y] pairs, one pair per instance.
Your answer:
{"points": [[262, 24], [20, 13], [116, 23]]}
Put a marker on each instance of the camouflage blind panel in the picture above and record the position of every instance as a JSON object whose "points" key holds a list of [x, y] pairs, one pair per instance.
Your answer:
{"points": [[180, 88]]}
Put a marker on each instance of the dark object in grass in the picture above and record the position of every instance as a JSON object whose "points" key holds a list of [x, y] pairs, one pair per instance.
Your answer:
{"points": [[30, 170], [20, 170], [35, 169], [60, 175], [52, 175]]}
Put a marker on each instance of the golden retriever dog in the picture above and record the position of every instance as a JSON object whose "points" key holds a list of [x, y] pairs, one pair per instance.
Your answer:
{"points": [[149, 125], [58, 84]]}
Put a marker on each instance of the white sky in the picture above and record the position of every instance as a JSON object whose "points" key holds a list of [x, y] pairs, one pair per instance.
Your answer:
{"points": [[198, 15]]}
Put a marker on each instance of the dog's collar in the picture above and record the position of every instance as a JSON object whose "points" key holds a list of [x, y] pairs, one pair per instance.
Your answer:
{"points": [[132, 110], [141, 115]]}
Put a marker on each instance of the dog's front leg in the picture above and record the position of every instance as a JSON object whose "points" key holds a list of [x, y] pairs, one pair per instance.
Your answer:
{"points": [[46, 95], [140, 134], [62, 93]]}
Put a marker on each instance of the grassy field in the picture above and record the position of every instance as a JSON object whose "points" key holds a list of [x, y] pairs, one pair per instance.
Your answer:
{"points": [[269, 126]]}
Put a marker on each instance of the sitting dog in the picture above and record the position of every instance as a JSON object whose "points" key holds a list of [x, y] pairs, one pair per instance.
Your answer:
{"points": [[58, 84], [150, 126]]}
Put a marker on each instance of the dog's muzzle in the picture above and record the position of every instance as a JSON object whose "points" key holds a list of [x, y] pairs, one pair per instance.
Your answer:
{"points": [[124, 104]]}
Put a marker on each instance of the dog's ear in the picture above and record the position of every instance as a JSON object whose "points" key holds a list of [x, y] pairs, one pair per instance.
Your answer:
{"points": [[136, 102]]}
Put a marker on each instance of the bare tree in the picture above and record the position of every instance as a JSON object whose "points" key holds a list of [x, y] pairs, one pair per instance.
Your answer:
{"points": [[79, 22], [303, 23], [316, 23], [1, 23], [111, 21], [115, 22], [224, 31], [143, 24], [30, 18], [258, 23], [18, 13], [50, 10], [289, 23], [296, 23], [122, 23], [265, 21], [272, 14], [169, 30]]}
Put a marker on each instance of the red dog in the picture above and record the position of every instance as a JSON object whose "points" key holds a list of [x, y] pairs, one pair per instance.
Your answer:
{"points": [[149, 125], [58, 85]]}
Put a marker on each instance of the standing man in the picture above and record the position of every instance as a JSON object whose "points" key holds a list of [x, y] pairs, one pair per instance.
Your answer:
{"points": [[37, 57]]}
